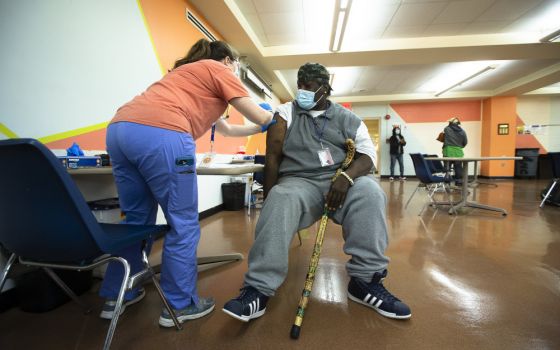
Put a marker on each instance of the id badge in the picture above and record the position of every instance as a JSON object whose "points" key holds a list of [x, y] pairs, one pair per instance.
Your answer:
{"points": [[325, 157]]}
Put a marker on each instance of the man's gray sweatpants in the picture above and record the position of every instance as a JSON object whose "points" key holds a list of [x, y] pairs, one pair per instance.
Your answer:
{"points": [[295, 203]]}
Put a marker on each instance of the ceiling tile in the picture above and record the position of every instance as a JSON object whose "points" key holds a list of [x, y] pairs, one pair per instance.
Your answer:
{"points": [[285, 39], [246, 6], [417, 13], [444, 29], [272, 6], [484, 27], [368, 19], [505, 73], [508, 10], [255, 23], [278, 23], [318, 17], [543, 17], [463, 11]]}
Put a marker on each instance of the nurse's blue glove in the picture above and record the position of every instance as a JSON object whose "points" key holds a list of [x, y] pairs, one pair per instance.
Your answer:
{"points": [[265, 127], [265, 106], [74, 150]]}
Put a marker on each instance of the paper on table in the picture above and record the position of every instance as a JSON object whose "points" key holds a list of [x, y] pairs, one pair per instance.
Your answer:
{"points": [[206, 160]]}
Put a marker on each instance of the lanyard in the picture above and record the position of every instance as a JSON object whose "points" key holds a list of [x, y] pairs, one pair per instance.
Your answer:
{"points": [[320, 133]]}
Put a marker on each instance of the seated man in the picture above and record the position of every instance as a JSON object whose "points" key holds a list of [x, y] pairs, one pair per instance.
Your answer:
{"points": [[304, 150]]}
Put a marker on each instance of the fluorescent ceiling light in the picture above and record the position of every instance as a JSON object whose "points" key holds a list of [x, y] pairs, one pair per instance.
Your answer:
{"points": [[551, 37], [483, 70], [340, 19]]}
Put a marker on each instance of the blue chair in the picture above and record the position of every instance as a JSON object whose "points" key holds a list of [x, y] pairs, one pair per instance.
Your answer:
{"points": [[45, 222], [555, 160], [428, 180], [436, 166]]}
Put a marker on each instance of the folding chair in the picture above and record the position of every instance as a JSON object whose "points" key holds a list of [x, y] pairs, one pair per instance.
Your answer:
{"points": [[555, 158], [45, 222], [429, 181], [437, 169]]}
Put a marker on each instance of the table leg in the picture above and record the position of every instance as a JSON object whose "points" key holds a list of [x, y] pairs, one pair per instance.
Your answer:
{"points": [[475, 181], [465, 192], [250, 195]]}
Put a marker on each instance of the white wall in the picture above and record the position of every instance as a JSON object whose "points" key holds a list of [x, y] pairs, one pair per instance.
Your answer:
{"points": [[420, 137], [70, 64], [539, 110]]}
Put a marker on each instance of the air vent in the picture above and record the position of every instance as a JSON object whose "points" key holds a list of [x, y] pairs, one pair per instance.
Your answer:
{"points": [[191, 18]]}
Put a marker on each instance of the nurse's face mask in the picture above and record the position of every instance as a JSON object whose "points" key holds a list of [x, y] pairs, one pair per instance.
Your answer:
{"points": [[233, 64]]}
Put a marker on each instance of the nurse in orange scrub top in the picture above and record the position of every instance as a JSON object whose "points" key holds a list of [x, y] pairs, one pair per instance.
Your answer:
{"points": [[151, 142]]}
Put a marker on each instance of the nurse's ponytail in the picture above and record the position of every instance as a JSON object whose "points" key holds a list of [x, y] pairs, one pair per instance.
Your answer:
{"points": [[204, 49]]}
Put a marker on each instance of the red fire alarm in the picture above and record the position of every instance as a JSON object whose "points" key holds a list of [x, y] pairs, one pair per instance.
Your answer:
{"points": [[387, 117]]}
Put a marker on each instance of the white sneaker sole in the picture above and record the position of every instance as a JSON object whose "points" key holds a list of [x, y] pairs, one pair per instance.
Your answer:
{"points": [[168, 322], [108, 315], [245, 318], [384, 313]]}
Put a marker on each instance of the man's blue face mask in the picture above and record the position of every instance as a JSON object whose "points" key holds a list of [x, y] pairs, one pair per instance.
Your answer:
{"points": [[306, 99]]}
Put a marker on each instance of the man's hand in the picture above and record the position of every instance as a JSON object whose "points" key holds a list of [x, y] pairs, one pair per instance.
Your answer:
{"points": [[337, 193]]}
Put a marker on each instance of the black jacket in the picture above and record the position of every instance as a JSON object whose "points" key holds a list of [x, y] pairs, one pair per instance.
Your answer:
{"points": [[395, 147], [455, 136]]}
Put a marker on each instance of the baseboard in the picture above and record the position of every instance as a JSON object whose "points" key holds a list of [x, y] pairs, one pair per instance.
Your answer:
{"points": [[210, 212], [495, 177]]}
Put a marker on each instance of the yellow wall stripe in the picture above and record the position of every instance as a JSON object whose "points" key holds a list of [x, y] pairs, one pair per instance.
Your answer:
{"points": [[161, 68], [4, 130], [72, 133]]}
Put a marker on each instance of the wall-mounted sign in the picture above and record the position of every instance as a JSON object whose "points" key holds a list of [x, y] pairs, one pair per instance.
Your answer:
{"points": [[503, 129]]}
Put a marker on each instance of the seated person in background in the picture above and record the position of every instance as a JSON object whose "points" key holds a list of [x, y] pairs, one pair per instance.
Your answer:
{"points": [[310, 131]]}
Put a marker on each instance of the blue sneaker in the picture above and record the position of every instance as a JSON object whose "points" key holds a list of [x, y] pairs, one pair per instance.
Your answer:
{"points": [[108, 309], [375, 296], [191, 312], [248, 305]]}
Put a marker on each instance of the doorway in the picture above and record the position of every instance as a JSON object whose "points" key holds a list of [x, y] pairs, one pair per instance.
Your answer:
{"points": [[373, 129]]}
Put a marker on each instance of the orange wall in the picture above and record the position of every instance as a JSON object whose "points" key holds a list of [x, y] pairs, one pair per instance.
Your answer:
{"points": [[498, 110], [432, 112], [172, 36], [171, 33]]}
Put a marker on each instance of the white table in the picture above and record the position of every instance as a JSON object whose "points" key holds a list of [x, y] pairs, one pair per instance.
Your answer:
{"points": [[100, 183], [465, 187]]}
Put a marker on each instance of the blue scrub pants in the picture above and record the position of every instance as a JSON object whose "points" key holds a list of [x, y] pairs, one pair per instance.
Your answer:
{"points": [[153, 165]]}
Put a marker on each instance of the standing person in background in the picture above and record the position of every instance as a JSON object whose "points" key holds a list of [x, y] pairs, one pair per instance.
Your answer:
{"points": [[453, 144], [396, 150], [151, 141]]}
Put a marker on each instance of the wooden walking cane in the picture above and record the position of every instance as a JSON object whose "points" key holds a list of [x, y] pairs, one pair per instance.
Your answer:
{"points": [[296, 328]]}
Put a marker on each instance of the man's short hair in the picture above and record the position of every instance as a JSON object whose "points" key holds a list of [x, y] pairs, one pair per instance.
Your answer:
{"points": [[314, 72]]}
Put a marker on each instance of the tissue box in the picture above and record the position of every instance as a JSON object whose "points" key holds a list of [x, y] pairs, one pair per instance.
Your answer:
{"points": [[74, 162]]}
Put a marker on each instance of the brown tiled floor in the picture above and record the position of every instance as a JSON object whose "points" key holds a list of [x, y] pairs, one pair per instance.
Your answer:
{"points": [[487, 283]]}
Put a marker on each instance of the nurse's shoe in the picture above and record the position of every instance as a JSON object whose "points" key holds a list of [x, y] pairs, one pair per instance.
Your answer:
{"points": [[109, 306], [191, 312]]}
